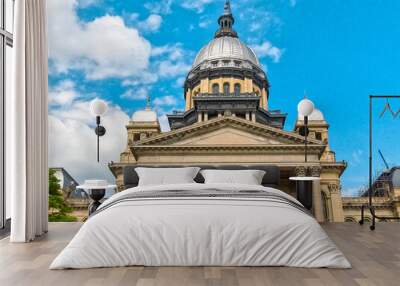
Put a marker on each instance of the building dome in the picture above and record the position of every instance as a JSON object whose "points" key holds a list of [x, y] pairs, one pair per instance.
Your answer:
{"points": [[226, 48], [226, 76], [146, 115], [396, 178], [316, 115]]}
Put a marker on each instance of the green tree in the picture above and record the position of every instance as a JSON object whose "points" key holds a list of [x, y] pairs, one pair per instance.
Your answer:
{"points": [[58, 208]]}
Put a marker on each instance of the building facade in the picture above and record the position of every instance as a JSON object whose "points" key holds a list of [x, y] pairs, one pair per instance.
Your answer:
{"points": [[227, 121], [385, 198]]}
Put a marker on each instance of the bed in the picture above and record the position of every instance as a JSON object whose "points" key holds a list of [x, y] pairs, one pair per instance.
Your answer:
{"points": [[201, 224]]}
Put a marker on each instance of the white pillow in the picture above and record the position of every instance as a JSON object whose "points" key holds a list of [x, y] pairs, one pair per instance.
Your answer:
{"points": [[248, 177], [166, 176]]}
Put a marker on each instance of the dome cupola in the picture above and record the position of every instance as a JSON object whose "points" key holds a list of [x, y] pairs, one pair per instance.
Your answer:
{"points": [[145, 115], [227, 56], [144, 124], [226, 22], [226, 49]]}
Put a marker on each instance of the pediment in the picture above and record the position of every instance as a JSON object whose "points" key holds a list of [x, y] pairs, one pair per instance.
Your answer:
{"points": [[226, 130], [228, 135]]}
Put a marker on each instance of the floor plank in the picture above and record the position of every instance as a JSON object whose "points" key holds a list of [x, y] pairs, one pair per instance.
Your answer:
{"points": [[375, 257]]}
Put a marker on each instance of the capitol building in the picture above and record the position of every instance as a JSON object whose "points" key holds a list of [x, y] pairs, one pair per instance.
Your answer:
{"points": [[227, 121]]}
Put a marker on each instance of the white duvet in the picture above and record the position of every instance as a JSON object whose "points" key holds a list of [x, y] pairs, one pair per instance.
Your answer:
{"points": [[202, 231]]}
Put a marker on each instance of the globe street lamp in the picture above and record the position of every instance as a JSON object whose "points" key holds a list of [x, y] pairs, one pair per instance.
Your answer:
{"points": [[305, 108], [98, 107]]}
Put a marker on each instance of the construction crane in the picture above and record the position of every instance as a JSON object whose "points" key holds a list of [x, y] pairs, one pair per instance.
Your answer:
{"points": [[383, 159]]}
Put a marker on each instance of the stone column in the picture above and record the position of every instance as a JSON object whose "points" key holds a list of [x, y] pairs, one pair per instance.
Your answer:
{"points": [[265, 100], [219, 114], [328, 206], [336, 201], [247, 115], [253, 116], [317, 202], [317, 198], [205, 86], [188, 99], [199, 117], [205, 116]]}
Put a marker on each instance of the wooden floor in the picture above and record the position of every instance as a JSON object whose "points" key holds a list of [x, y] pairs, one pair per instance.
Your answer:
{"points": [[375, 257]]}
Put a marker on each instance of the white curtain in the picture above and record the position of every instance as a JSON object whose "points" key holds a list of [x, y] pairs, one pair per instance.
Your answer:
{"points": [[27, 119]]}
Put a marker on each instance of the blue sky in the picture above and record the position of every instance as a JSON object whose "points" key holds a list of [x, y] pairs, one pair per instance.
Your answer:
{"points": [[338, 51]]}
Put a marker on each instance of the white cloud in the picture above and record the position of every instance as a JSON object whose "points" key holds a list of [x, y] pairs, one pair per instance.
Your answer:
{"points": [[146, 78], [63, 94], [87, 3], [356, 157], [102, 48], [164, 125], [136, 94], [169, 68], [164, 6], [266, 49], [196, 5], [152, 23], [180, 81], [167, 100], [171, 60], [159, 6], [205, 22], [259, 18], [352, 192], [72, 141]]}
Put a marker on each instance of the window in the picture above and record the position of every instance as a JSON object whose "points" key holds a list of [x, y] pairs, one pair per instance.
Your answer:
{"points": [[318, 135], [237, 89], [225, 63], [226, 88], [215, 88], [6, 43], [237, 64]]}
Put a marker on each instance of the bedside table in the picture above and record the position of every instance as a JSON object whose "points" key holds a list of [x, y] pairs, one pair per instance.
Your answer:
{"points": [[304, 190], [96, 189], [96, 195]]}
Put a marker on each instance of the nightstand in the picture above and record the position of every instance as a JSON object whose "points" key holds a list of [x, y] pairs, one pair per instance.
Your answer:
{"points": [[304, 190]]}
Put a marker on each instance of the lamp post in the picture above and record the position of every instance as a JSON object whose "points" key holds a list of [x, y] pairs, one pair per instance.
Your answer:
{"points": [[304, 183], [369, 205], [98, 107], [305, 108]]}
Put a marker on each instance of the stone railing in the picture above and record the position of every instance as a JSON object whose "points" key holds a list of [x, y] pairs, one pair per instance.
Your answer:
{"points": [[221, 94]]}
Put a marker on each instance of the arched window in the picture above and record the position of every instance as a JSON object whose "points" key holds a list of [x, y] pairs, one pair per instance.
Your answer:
{"points": [[237, 89], [349, 219], [215, 88], [226, 88]]}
